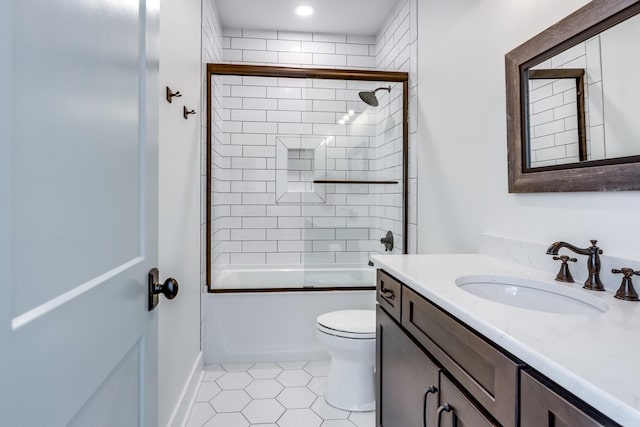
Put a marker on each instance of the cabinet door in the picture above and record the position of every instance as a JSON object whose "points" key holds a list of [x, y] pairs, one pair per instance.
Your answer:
{"points": [[406, 379], [486, 373], [456, 410], [541, 406]]}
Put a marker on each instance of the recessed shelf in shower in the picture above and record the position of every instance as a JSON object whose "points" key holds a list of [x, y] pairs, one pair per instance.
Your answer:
{"points": [[298, 161], [337, 181]]}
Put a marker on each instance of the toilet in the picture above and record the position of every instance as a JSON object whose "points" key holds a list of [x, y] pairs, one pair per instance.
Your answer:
{"points": [[349, 336]]}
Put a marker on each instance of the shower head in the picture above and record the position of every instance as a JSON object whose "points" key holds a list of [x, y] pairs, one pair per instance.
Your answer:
{"points": [[369, 96]]}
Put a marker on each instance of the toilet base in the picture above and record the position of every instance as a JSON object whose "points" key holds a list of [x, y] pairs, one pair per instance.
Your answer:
{"points": [[350, 385]]}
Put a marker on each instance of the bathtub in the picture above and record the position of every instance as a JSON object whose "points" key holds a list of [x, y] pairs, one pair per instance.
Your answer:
{"points": [[278, 277], [268, 314]]}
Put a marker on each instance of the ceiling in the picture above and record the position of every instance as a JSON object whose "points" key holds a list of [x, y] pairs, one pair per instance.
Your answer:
{"points": [[358, 17]]}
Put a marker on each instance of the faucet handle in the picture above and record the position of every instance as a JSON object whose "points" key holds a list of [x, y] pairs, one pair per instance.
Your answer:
{"points": [[564, 258], [564, 275], [593, 246], [626, 291], [628, 272], [387, 241]]}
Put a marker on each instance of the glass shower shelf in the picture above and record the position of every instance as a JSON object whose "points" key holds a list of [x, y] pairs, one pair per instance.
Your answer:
{"points": [[343, 181]]}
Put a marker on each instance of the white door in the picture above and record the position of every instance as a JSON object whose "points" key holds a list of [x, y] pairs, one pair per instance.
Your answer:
{"points": [[78, 212]]}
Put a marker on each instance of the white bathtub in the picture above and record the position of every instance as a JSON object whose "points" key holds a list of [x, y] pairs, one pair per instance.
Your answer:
{"points": [[267, 326], [262, 277]]}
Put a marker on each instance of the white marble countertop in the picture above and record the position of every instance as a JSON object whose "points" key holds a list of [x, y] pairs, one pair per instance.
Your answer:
{"points": [[595, 356]]}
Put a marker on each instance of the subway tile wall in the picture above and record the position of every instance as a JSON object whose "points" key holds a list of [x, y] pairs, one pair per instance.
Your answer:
{"points": [[281, 133], [250, 225], [553, 108], [397, 50], [285, 48], [211, 52]]}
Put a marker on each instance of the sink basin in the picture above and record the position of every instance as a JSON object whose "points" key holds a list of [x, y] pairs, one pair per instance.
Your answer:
{"points": [[532, 295]]}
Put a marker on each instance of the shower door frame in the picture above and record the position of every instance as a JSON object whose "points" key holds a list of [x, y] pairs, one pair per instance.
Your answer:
{"points": [[304, 73]]}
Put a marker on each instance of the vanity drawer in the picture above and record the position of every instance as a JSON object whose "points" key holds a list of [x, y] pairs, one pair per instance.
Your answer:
{"points": [[463, 412], [389, 294], [486, 373]]}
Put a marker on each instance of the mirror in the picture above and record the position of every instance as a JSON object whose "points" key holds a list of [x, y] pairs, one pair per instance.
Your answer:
{"points": [[556, 118], [583, 103], [573, 103]]}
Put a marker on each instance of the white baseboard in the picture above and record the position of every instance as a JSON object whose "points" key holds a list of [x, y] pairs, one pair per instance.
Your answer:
{"points": [[180, 414]]}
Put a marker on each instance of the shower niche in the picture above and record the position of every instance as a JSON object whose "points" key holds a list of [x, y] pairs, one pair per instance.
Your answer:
{"points": [[306, 171], [300, 161]]}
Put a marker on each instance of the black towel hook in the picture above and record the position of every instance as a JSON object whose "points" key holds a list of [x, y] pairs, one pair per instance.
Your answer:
{"points": [[185, 112], [171, 94]]}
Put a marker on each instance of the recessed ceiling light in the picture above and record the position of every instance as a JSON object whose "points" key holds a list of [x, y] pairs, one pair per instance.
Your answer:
{"points": [[304, 10]]}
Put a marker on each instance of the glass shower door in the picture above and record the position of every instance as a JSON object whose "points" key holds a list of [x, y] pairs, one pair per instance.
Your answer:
{"points": [[360, 178]]}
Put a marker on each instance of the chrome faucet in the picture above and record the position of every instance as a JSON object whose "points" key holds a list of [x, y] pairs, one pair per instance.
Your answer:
{"points": [[593, 262]]}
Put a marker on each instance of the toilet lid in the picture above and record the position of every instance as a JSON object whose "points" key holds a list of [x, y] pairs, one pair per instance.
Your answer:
{"points": [[351, 323]]}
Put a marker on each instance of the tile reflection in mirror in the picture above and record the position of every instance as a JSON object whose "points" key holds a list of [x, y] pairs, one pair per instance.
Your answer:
{"points": [[611, 101]]}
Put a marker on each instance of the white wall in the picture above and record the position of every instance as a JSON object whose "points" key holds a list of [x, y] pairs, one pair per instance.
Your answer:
{"points": [[179, 207], [462, 171], [211, 53]]}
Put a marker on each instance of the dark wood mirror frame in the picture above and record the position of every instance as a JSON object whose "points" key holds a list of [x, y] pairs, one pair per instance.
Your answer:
{"points": [[617, 174]]}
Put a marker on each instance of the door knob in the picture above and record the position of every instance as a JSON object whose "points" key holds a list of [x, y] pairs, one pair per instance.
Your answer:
{"points": [[169, 288]]}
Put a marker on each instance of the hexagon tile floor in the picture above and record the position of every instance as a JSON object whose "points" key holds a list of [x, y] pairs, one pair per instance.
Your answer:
{"points": [[287, 394]]}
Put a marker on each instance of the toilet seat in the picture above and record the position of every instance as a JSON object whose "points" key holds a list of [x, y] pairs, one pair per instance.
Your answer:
{"points": [[354, 324]]}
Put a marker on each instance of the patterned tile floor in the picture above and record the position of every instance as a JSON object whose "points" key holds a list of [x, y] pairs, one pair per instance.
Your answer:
{"points": [[287, 394]]}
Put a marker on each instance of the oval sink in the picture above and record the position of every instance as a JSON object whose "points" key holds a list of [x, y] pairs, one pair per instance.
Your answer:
{"points": [[532, 295]]}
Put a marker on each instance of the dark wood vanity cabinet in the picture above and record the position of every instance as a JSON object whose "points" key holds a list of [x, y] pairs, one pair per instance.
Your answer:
{"points": [[462, 411], [486, 373], [431, 370], [542, 404], [408, 381], [411, 387], [389, 293]]}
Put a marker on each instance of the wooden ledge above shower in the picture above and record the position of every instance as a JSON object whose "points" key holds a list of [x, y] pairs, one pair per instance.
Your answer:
{"points": [[343, 181]]}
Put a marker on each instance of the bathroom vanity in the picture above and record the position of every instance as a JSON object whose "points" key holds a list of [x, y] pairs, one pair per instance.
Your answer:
{"points": [[447, 356]]}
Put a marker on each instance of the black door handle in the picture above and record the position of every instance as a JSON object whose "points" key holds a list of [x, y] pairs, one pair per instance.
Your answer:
{"points": [[444, 408], [169, 288], [427, 392], [387, 294]]}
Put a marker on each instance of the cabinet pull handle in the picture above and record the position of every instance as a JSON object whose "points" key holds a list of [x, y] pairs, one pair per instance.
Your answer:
{"points": [[444, 408], [387, 294], [429, 390]]}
